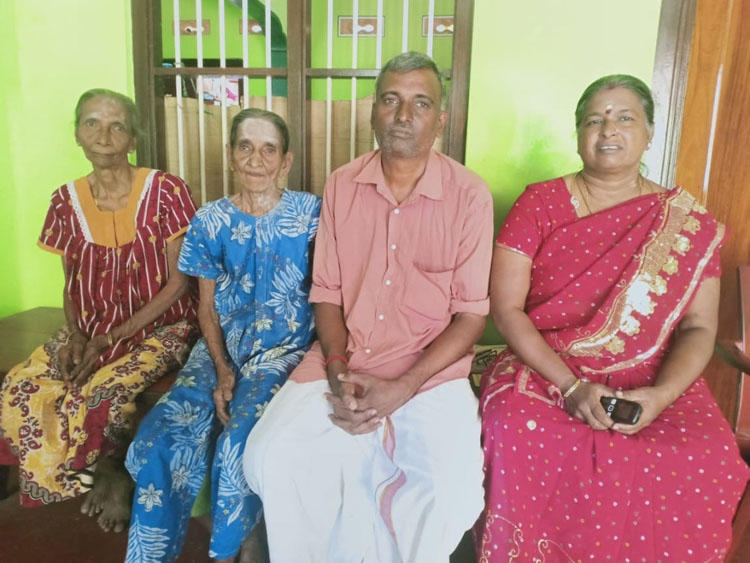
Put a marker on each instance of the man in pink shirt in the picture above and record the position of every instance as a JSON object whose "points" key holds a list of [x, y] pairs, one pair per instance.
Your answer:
{"points": [[371, 451]]}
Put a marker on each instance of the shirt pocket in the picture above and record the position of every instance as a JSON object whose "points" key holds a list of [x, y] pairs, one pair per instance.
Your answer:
{"points": [[427, 296]]}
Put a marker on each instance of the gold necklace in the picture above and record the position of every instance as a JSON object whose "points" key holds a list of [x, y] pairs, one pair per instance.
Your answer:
{"points": [[583, 193], [586, 190]]}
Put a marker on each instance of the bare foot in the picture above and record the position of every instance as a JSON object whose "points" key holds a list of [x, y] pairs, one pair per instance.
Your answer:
{"points": [[110, 497], [255, 548]]}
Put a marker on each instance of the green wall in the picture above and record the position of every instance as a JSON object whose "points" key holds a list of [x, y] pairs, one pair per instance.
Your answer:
{"points": [[531, 59], [50, 52], [530, 62]]}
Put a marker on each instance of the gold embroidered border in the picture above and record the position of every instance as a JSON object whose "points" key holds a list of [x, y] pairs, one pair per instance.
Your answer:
{"points": [[667, 325], [507, 366], [634, 296], [485, 555]]}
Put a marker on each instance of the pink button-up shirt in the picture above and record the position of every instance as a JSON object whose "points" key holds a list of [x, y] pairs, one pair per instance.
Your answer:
{"points": [[400, 271]]}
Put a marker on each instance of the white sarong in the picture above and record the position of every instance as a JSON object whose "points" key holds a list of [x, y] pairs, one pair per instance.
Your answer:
{"points": [[404, 493]]}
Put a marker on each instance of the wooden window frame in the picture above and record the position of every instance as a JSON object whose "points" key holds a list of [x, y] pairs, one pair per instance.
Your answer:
{"points": [[150, 75]]}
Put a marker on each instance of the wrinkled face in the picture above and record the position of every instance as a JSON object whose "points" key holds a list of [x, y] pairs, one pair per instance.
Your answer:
{"points": [[104, 131], [257, 158], [614, 131], [406, 115]]}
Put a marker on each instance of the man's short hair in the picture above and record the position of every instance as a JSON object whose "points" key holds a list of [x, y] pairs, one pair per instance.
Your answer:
{"points": [[407, 62]]}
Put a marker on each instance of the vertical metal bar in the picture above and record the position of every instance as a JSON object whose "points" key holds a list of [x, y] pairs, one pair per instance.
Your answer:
{"points": [[379, 36], [329, 87], [223, 87], [379, 51], [245, 62], [178, 89], [269, 91], [353, 107], [430, 27], [201, 117], [405, 28]]}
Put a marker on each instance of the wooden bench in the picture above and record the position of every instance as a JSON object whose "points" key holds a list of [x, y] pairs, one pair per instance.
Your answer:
{"points": [[21, 333]]}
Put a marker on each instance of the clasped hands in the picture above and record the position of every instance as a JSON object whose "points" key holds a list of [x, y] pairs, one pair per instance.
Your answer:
{"points": [[584, 404], [77, 358], [360, 401]]}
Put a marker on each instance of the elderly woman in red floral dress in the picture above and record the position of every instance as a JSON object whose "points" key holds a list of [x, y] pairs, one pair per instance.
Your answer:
{"points": [[65, 413]]}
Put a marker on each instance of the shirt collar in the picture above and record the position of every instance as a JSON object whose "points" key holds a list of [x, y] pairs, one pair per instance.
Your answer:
{"points": [[429, 185]]}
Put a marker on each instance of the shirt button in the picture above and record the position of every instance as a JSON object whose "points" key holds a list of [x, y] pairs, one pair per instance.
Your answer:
{"points": [[367, 350], [393, 247], [396, 211], [388, 282], [381, 317], [531, 424]]}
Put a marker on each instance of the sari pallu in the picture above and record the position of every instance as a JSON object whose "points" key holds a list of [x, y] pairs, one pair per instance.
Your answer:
{"points": [[607, 292]]}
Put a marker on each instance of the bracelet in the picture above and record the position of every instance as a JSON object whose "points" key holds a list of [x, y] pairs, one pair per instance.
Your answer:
{"points": [[571, 389], [336, 357], [110, 340]]}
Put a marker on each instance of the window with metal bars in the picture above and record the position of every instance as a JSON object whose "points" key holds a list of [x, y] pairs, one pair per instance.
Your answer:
{"points": [[198, 62]]}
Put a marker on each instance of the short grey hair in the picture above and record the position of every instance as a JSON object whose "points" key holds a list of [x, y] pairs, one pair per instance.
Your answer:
{"points": [[407, 62], [134, 125], [635, 85], [257, 113]]}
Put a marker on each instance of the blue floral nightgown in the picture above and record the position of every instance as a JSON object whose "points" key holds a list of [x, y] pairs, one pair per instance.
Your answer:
{"points": [[262, 270]]}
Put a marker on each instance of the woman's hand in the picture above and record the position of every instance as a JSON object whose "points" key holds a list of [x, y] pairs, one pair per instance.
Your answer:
{"points": [[70, 354], [584, 404], [83, 370], [653, 401], [223, 391]]}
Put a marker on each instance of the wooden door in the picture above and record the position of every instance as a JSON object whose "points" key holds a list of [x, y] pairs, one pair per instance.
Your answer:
{"points": [[714, 160]]}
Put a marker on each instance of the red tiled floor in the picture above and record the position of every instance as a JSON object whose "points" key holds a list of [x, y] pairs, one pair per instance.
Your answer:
{"points": [[60, 533]]}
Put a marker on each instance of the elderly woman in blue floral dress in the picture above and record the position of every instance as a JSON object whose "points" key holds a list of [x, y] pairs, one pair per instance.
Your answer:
{"points": [[250, 253]]}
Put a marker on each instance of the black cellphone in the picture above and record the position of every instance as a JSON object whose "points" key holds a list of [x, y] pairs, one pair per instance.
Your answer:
{"points": [[622, 410]]}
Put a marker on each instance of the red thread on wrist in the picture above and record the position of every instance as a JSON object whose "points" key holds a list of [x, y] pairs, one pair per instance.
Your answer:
{"points": [[336, 357]]}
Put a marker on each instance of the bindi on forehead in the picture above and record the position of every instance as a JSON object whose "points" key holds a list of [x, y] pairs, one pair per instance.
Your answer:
{"points": [[608, 109]]}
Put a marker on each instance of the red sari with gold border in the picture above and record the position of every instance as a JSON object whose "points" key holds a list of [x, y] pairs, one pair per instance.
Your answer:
{"points": [[607, 292]]}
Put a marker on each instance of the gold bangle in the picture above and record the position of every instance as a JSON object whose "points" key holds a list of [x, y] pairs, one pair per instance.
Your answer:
{"points": [[110, 340], [571, 389]]}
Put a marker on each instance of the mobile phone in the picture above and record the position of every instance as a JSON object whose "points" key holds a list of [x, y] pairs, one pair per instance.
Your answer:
{"points": [[622, 410]]}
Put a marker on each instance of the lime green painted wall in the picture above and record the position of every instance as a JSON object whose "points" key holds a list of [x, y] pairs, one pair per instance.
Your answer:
{"points": [[530, 62], [50, 52]]}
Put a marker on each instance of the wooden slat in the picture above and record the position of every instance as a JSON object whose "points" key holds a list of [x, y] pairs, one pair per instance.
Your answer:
{"points": [[743, 387], [219, 71], [459, 96], [146, 16], [721, 36], [298, 60]]}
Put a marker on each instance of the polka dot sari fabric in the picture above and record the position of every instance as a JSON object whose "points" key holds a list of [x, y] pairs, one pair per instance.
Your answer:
{"points": [[607, 291]]}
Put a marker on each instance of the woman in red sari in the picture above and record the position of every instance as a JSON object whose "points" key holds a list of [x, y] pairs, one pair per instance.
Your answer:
{"points": [[605, 284]]}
